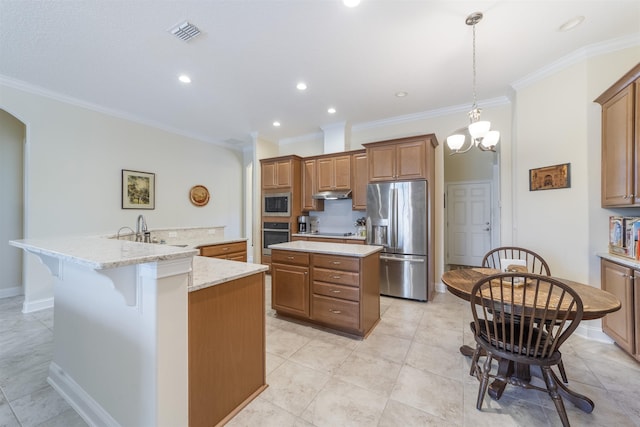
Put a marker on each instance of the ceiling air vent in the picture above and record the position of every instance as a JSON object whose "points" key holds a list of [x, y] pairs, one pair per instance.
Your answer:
{"points": [[185, 31]]}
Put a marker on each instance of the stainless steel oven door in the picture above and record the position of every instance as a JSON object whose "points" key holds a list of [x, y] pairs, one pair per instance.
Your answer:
{"points": [[272, 233]]}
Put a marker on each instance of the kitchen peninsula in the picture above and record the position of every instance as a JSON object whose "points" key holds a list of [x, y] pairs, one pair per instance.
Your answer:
{"points": [[335, 285], [139, 329]]}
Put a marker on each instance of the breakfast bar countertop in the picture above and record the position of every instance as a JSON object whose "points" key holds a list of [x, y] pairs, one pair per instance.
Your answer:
{"points": [[346, 249], [214, 271]]}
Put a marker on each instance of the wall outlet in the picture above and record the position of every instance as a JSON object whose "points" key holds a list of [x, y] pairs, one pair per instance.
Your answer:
{"points": [[212, 231], [173, 234]]}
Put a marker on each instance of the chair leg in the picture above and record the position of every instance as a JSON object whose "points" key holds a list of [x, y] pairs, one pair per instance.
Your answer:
{"points": [[563, 373], [474, 360], [553, 392], [484, 381]]}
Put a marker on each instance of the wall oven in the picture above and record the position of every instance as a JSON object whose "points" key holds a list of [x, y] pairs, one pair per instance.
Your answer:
{"points": [[272, 233], [276, 204]]}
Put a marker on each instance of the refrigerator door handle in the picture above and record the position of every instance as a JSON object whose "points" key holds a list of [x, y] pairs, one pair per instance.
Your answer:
{"points": [[394, 218], [387, 258]]}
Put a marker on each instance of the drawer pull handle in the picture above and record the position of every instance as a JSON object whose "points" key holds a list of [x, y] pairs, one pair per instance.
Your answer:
{"points": [[335, 291], [335, 277], [335, 262], [335, 311], [225, 249], [290, 257]]}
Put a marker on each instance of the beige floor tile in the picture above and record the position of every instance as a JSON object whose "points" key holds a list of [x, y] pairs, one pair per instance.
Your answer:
{"points": [[398, 414], [292, 386], [389, 347], [370, 372], [342, 404], [430, 393], [435, 359], [263, 413], [321, 356], [284, 343]]}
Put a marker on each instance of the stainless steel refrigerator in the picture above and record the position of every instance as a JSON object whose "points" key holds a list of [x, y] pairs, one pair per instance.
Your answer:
{"points": [[397, 220]]}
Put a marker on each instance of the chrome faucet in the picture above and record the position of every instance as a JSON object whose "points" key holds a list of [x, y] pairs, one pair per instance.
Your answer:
{"points": [[141, 230]]}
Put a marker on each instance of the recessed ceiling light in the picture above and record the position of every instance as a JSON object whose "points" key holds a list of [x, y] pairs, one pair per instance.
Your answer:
{"points": [[301, 86], [184, 78], [571, 24], [331, 110], [401, 94], [276, 124], [351, 3]]}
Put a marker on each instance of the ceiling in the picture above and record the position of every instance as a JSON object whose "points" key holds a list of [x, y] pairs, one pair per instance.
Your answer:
{"points": [[119, 56]]}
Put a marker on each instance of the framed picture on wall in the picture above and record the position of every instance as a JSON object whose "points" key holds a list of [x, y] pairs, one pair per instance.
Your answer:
{"points": [[550, 177], [138, 190]]}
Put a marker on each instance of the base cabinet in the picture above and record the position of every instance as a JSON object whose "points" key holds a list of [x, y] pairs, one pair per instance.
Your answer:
{"points": [[227, 367], [236, 251], [336, 291], [622, 325]]}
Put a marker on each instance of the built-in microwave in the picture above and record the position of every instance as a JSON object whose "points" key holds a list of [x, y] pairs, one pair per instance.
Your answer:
{"points": [[276, 204]]}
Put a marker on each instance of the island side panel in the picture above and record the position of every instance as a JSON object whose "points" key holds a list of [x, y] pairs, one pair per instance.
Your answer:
{"points": [[112, 361], [226, 349], [370, 292]]}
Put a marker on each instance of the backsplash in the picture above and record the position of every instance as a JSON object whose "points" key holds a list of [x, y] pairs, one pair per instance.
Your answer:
{"points": [[337, 217]]}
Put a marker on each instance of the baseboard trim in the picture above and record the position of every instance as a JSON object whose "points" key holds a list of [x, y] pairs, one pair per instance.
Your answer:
{"points": [[14, 291], [41, 304], [78, 399], [593, 334]]}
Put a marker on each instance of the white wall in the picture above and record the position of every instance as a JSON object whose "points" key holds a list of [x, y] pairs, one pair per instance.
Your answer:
{"points": [[12, 134], [73, 176]]}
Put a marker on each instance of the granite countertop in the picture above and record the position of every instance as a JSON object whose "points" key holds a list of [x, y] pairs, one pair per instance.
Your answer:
{"points": [[346, 249], [99, 253], [629, 262], [213, 271], [330, 236]]}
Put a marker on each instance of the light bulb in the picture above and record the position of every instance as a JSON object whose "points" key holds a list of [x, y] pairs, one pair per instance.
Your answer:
{"points": [[479, 129], [456, 141], [491, 139]]}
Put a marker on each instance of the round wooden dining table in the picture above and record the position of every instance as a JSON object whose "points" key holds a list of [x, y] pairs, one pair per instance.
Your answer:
{"points": [[597, 303]]}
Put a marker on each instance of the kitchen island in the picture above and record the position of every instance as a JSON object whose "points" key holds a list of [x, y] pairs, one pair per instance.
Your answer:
{"points": [[334, 285], [126, 341]]}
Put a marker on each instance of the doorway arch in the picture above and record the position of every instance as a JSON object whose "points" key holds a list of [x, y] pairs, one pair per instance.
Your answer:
{"points": [[12, 165]]}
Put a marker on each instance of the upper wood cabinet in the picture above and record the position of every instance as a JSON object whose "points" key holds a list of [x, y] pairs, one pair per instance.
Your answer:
{"points": [[359, 181], [277, 173], [309, 187], [334, 173], [401, 159], [621, 141]]}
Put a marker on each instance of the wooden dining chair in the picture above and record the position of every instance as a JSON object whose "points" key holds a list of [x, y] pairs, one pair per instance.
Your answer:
{"points": [[508, 309], [534, 263]]}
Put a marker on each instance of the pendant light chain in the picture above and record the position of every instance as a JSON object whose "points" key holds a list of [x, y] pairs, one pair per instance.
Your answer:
{"points": [[475, 102]]}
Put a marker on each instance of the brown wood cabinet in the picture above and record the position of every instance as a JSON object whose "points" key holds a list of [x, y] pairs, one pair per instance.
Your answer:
{"points": [[621, 141], [345, 291], [401, 159], [622, 325], [359, 181], [334, 173], [309, 186], [290, 270], [236, 251], [227, 349], [277, 174]]}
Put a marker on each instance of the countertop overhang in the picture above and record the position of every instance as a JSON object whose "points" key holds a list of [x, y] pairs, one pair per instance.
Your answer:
{"points": [[345, 249]]}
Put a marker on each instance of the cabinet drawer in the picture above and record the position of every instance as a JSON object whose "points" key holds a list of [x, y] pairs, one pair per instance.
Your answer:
{"points": [[335, 312], [290, 257], [223, 249], [336, 276], [336, 291], [335, 262]]}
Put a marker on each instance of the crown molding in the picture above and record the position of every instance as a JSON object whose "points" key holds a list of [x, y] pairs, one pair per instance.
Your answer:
{"points": [[46, 93], [577, 56]]}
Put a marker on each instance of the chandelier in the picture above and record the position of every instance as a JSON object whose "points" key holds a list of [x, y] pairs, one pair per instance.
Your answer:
{"points": [[479, 131]]}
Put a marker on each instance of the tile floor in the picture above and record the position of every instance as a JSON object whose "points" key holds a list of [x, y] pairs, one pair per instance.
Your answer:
{"points": [[408, 372]]}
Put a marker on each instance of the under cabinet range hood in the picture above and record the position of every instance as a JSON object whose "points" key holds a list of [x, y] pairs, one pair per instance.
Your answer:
{"points": [[333, 195]]}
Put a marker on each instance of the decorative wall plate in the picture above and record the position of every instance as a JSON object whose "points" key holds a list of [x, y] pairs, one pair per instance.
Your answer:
{"points": [[199, 195]]}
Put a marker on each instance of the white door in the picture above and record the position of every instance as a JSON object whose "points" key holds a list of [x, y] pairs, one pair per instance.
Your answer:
{"points": [[468, 222]]}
